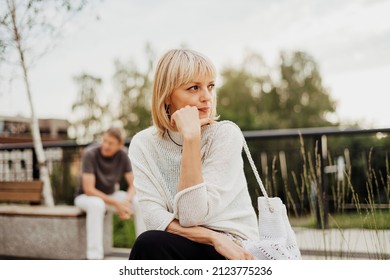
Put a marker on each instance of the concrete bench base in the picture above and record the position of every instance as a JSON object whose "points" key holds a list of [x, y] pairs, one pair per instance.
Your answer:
{"points": [[47, 232]]}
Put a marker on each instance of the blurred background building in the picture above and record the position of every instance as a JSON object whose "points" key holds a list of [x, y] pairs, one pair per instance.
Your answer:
{"points": [[16, 129]]}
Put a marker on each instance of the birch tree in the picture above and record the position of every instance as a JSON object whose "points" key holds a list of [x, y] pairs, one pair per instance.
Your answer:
{"points": [[24, 26]]}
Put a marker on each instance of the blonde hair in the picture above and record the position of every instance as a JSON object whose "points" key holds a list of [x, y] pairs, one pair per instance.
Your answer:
{"points": [[176, 68]]}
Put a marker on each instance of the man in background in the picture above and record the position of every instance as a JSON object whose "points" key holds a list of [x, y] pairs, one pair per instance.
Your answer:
{"points": [[103, 165]]}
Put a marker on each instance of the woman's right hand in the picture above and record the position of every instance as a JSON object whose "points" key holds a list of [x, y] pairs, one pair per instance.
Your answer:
{"points": [[230, 250], [187, 121]]}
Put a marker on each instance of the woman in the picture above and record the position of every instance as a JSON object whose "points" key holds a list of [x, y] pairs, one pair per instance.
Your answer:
{"points": [[188, 169]]}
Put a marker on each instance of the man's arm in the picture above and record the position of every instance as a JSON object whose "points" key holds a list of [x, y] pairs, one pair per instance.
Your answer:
{"points": [[89, 188]]}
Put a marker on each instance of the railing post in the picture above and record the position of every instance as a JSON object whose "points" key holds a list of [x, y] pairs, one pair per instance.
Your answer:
{"points": [[322, 211]]}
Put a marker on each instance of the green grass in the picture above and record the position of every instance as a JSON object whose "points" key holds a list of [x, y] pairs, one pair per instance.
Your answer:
{"points": [[124, 233], [366, 219]]}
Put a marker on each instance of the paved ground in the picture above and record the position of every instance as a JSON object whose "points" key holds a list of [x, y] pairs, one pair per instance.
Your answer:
{"points": [[343, 244], [118, 254]]}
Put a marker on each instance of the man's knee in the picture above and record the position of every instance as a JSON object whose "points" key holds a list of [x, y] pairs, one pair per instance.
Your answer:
{"points": [[97, 204], [93, 203]]}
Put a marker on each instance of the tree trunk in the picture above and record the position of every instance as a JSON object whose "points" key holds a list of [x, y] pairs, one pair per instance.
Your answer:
{"points": [[43, 170]]}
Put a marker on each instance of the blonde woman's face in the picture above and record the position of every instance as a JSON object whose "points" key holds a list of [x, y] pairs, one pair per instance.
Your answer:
{"points": [[198, 93]]}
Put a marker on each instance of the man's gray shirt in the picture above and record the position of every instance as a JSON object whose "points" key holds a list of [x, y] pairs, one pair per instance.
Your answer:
{"points": [[107, 170]]}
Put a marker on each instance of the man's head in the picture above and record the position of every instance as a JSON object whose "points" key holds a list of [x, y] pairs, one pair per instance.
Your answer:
{"points": [[112, 141]]}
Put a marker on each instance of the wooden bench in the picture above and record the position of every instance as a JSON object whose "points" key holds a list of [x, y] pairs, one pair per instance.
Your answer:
{"points": [[30, 192], [41, 232]]}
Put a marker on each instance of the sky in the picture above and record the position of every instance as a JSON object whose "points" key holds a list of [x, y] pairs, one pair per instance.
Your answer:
{"points": [[350, 41]]}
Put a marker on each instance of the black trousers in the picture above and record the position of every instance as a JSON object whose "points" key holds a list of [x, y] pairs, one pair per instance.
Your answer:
{"points": [[162, 245]]}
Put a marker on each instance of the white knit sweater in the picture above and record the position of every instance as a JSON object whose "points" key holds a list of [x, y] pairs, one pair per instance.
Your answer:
{"points": [[221, 202]]}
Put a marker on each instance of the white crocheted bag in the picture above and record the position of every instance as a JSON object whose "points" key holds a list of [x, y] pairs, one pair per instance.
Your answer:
{"points": [[277, 239]]}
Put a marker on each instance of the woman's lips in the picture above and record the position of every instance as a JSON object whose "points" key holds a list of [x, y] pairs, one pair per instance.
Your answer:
{"points": [[204, 109]]}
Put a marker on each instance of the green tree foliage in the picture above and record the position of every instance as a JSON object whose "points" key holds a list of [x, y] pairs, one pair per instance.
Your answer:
{"points": [[239, 107], [135, 90], [259, 97], [241, 91], [133, 87], [90, 115], [304, 101]]}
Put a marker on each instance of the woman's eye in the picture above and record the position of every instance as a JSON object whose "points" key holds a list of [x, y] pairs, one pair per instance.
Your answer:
{"points": [[193, 88], [211, 86]]}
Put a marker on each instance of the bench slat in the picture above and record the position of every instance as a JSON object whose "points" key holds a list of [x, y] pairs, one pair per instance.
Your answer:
{"points": [[20, 190], [27, 191], [36, 185], [13, 196]]}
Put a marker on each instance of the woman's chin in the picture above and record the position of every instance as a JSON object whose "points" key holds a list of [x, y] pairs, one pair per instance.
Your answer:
{"points": [[204, 115]]}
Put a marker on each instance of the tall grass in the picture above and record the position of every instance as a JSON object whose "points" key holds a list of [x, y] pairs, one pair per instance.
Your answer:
{"points": [[304, 193]]}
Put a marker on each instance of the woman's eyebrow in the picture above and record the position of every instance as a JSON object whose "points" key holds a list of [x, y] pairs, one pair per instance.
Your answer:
{"points": [[198, 83]]}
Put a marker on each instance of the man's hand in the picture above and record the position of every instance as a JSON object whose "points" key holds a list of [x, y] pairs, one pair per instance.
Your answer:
{"points": [[124, 209]]}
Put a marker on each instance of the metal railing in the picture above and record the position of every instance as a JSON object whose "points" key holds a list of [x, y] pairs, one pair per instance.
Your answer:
{"points": [[321, 153], [293, 163]]}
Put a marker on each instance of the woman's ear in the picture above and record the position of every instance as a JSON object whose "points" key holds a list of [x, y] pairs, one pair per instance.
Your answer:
{"points": [[167, 110]]}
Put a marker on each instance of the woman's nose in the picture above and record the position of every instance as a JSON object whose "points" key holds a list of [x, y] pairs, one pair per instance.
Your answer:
{"points": [[206, 95]]}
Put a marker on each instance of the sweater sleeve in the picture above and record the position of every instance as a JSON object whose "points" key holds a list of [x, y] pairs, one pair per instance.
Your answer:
{"points": [[222, 172], [154, 210]]}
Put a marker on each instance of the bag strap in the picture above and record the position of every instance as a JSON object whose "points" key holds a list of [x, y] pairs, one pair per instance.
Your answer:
{"points": [[254, 169]]}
